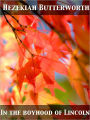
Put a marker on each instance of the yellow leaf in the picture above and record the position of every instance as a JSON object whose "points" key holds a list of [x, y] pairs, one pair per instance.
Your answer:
{"points": [[41, 98], [77, 77]]}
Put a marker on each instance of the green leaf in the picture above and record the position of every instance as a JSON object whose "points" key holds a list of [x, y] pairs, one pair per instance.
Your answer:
{"points": [[24, 98], [70, 93]]}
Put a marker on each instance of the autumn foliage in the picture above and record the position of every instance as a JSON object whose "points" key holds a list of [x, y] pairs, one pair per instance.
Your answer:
{"points": [[30, 56]]}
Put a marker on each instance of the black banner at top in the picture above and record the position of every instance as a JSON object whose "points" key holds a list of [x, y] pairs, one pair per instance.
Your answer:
{"points": [[46, 7]]}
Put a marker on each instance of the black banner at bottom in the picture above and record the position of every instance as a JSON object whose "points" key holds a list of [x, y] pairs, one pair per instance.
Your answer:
{"points": [[41, 112]]}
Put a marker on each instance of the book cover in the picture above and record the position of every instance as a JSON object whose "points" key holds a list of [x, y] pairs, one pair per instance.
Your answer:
{"points": [[44, 59]]}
